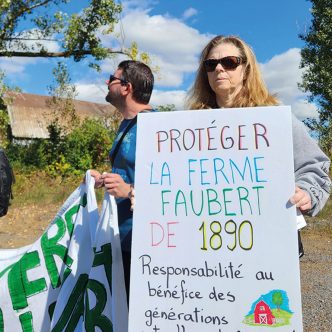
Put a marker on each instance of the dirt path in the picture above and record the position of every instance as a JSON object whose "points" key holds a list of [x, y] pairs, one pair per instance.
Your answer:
{"points": [[316, 281], [24, 226]]}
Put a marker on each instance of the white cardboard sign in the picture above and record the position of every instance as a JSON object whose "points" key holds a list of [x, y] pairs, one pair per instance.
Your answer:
{"points": [[214, 237]]}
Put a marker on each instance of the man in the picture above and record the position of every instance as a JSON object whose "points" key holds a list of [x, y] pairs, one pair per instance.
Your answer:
{"points": [[129, 90]]}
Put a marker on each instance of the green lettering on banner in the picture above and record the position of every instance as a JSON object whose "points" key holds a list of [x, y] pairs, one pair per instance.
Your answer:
{"points": [[20, 288], [51, 308], [77, 314], [104, 257], [72, 211], [50, 248], [26, 322], [74, 308], [1, 321], [94, 316], [67, 271]]}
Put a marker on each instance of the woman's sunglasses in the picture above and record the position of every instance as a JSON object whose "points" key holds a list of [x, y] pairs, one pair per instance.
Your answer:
{"points": [[228, 63]]}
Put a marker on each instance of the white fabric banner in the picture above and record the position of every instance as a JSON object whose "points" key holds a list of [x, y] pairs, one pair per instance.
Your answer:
{"points": [[71, 278]]}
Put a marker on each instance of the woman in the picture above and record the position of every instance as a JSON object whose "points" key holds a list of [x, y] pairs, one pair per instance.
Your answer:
{"points": [[229, 76]]}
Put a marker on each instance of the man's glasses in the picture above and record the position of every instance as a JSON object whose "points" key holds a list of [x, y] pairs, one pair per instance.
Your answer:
{"points": [[228, 63], [114, 78]]}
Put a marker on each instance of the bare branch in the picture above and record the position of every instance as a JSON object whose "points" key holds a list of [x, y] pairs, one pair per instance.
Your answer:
{"points": [[28, 39], [65, 54], [43, 3]]}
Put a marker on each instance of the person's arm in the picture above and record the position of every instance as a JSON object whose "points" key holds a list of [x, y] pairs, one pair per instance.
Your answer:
{"points": [[311, 168]]}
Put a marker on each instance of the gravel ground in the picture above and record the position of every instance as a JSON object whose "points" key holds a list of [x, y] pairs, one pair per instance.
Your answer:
{"points": [[316, 278], [23, 226]]}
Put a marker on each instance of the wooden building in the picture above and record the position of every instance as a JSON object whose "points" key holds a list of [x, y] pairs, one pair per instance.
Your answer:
{"points": [[31, 114]]}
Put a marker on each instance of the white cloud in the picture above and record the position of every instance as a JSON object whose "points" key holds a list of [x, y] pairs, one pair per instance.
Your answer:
{"points": [[282, 75], [302, 109], [175, 97], [91, 92], [190, 12], [34, 42], [17, 65], [139, 5], [97, 93], [166, 37], [172, 45]]}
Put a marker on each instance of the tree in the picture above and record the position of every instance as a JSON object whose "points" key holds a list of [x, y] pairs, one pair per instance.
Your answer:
{"points": [[26, 28], [277, 299], [78, 34], [61, 102], [5, 99], [166, 108], [317, 77]]}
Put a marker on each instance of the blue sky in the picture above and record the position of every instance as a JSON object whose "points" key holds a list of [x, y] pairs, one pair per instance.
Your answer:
{"points": [[174, 32]]}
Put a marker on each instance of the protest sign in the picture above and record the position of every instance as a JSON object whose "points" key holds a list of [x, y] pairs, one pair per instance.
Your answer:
{"points": [[71, 279], [214, 237]]}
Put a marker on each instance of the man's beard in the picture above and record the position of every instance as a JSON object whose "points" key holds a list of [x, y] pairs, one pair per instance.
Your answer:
{"points": [[108, 98], [114, 99]]}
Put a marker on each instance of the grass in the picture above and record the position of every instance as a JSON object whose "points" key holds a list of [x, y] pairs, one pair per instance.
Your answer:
{"points": [[39, 189], [323, 221], [326, 213]]}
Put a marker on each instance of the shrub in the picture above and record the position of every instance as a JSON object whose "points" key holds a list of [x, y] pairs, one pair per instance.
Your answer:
{"points": [[86, 147]]}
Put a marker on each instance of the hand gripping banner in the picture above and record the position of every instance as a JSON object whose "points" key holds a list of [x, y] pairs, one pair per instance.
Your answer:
{"points": [[71, 278]]}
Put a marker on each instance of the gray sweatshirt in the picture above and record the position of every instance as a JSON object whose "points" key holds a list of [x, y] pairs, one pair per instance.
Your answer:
{"points": [[311, 167]]}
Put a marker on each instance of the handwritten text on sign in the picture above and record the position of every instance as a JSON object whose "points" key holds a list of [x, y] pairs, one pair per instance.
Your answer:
{"points": [[213, 235]]}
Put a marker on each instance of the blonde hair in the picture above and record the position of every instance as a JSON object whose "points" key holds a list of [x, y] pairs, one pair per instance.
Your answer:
{"points": [[254, 91]]}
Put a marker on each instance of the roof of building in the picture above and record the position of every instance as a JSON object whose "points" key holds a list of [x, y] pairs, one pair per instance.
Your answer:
{"points": [[31, 114]]}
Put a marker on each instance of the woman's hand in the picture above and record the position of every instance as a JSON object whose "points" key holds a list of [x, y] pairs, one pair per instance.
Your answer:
{"points": [[301, 199]]}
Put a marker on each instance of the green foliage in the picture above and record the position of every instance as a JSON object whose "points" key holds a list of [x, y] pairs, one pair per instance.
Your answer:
{"points": [[3, 89], [81, 33], [277, 299], [84, 148], [4, 122], [78, 34], [4, 118], [73, 146], [87, 146], [166, 108], [61, 104], [317, 77]]}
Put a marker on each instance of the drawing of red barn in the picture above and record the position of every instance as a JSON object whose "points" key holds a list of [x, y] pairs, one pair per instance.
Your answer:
{"points": [[263, 314]]}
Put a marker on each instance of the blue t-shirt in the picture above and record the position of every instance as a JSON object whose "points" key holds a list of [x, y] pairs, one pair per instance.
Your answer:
{"points": [[124, 165]]}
